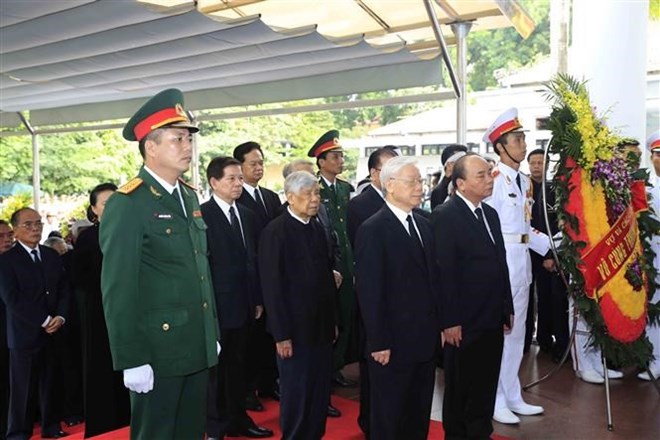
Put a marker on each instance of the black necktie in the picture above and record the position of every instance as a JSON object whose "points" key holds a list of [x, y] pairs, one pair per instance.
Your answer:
{"points": [[35, 256], [177, 197], [518, 182], [260, 201], [482, 220], [235, 224], [414, 237]]}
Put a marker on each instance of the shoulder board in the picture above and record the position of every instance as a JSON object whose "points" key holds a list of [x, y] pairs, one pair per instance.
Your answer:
{"points": [[346, 183], [188, 184], [130, 186]]}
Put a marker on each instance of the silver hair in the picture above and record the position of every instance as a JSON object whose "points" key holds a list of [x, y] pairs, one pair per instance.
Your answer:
{"points": [[299, 180], [293, 166], [392, 168], [52, 241]]}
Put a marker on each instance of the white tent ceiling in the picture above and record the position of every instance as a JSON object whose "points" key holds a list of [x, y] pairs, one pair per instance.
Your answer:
{"points": [[68, 61]]}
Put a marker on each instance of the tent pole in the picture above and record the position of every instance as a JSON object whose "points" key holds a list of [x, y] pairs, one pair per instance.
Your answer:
{"points": [[443, 46], [36, 170], [461, 29], [195, 156]]}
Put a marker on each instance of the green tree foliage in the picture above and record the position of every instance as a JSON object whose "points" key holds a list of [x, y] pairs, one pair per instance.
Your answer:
{"points": [[505, 48], [71, 163]]}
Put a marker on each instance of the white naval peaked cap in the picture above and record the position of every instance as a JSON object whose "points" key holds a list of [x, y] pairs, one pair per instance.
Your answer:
{"points": [[505, 123], [653, 142]]}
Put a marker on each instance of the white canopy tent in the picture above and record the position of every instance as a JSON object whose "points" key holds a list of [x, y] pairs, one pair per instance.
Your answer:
{"points": [[86, 61]]}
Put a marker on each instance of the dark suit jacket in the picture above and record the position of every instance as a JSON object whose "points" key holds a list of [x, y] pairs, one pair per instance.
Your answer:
{"points": [[439, 193], [474, 278], [297, 282], [396, 289], [360, 208], [31, 293], [232, 265], [272, 202], [363, 206]]}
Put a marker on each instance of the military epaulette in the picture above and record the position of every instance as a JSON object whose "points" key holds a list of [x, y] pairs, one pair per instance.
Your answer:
{"points": [[188, 184], [130, 186], [351, 187]]}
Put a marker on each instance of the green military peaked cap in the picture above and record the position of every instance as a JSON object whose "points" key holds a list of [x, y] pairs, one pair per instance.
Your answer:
{"points": [[163, 110], [328, 142]]}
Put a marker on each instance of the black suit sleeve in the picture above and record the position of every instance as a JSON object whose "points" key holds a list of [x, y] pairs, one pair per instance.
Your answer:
{"points": [[446, 249], [271, 271], [370, 287]]}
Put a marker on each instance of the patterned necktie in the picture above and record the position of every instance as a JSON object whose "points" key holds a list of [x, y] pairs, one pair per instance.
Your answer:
{"points": [[235, 224], [35, 256], [260, 201]]}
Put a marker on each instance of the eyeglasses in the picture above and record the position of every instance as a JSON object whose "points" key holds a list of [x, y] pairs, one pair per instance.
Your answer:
{"points": [[31, 225], [410, 182]]}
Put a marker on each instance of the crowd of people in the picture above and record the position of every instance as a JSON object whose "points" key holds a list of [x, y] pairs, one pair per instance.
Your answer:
{"points": [[177, 318]]}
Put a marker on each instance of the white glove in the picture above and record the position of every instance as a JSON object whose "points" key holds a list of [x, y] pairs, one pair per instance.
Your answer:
{"points": [[139, 379], [219, 348]]}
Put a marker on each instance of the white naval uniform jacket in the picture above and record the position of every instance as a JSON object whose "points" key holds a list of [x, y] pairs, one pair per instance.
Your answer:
{"points": [[514, 207]]}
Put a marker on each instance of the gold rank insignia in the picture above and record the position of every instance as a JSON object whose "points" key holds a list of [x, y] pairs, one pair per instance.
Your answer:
{"points": [[188, 184], [155, 192], [130, 186]]}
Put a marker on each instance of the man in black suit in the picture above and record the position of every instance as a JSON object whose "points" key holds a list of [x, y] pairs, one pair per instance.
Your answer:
{"points": [[400, 306], [232, 258], [440, 192], [261, 371], [551, 297], [36, 296], [262, 201], [360, 208], [476, 300], [300, 294]]}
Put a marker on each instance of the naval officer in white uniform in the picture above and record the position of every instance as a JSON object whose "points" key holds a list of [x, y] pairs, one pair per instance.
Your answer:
{"points": [[513, 199]]}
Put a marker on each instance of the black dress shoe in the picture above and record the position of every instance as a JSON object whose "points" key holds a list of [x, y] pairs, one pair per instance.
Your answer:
{"points": [[58, 434], [252, 432], [333, 412], [340, 380], [253, 404], [73, 421]]}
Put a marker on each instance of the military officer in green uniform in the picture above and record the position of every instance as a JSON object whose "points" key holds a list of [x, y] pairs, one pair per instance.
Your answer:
{"points": [[335, 194], [157, 296]]}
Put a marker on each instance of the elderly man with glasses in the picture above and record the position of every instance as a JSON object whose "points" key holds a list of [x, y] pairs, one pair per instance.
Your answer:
{"points": [[36, 295]]}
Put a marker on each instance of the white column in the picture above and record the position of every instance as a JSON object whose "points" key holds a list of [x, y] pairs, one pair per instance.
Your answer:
{"points": [[609, 50]]}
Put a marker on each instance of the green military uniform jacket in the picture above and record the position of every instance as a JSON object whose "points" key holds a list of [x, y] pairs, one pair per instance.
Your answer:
{"points": [[157, 295], [336, 204]]}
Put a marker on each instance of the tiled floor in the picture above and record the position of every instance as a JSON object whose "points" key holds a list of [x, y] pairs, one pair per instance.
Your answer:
{"points": [[574, 410]]}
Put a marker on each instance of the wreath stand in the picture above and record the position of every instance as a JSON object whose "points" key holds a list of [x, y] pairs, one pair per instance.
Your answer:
{"points": [[571, 339]]}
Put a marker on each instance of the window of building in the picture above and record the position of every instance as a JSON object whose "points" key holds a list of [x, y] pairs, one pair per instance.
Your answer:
{"points": [[542, 143], [369, 150], [406, 150], [542, 123], [431, 149]]}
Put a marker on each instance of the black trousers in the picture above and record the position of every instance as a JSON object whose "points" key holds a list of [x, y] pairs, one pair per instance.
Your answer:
{"points": [[226, 391], [471, 374], [261, 366], [4, 386], [401, 398], [305, 382], [32, 370]]}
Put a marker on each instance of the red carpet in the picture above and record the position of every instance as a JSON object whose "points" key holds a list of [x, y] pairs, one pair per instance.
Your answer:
{"points": [[342, 428]]}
